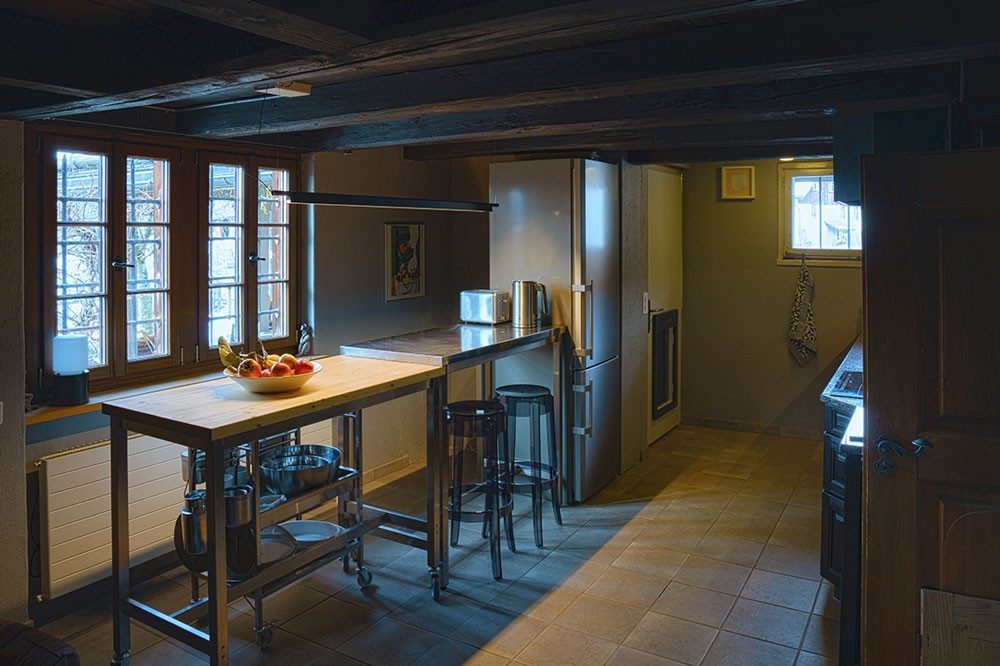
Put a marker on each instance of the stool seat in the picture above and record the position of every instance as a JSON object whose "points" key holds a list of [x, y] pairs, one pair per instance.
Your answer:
{"points": [[523, 391], [475, 418]]}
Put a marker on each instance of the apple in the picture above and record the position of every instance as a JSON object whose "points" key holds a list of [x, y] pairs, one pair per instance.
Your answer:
{"points": [[303, 367], [248, 368], [280, 369], [288, 360], [266, 372]]}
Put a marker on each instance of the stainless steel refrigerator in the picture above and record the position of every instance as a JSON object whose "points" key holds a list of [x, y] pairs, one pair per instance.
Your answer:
{"points": [[558, 223]]}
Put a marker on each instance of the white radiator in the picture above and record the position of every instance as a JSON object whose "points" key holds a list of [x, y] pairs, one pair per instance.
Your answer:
{"points": [[75, 510]]}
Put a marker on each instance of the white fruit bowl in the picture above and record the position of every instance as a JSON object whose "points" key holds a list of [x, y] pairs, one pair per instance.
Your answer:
{"points": [[273, 384]]}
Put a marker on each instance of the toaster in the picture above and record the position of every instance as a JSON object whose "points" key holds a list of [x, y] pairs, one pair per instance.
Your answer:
{"points": [[484, 306]]}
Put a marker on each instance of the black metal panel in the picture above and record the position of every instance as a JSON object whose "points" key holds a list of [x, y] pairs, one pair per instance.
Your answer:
{"points": [[666, 338], [365, 201]]}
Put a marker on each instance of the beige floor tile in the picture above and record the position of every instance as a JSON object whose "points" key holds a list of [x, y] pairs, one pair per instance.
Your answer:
{"points": [[285, 648], [706, 480], [758, 507], [534, 598], [709, 500], [166, 652], [556, 646], [796, 536], [332, 623], [781, 590], [729, 549], [672, 638], [791, 561], [628, 587], [387, 592], [826, 604], [389, 641], [626, 656], [95, 645], [684, 538], [596, 616], [498, 630], [599, 544], [655, 561], [822, 636], [810, 659], [712, 574], [773, 488], [737, 470], [453, 652], [743, 527], [286, 604], [736, 650], [695, 604], [421, 610], [766, 622], [801, 516]]}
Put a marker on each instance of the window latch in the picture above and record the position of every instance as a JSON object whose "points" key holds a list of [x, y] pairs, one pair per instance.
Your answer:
{"points": [[120, 264], [255, 258]]}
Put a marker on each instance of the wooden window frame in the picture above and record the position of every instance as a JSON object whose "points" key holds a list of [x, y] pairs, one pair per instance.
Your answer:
{"points": [[788, 255], [189, 350]]}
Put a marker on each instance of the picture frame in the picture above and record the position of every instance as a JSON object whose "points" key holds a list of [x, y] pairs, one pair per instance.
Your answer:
{"points": [[738, 182], [404, 260]]}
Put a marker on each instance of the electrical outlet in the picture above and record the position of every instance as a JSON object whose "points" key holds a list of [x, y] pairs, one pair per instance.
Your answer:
{"points": [[645, 302]]}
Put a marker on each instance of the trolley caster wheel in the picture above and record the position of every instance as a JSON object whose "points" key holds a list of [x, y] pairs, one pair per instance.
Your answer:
{"points": [[263, 637], [435, 585], [121, 661], [364, 577]]}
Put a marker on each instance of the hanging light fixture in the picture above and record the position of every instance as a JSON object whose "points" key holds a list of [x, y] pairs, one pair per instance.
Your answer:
{"points": [[367, 201]]}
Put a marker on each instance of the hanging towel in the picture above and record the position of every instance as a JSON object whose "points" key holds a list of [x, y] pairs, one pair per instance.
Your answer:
{"points": [[802, 328]]}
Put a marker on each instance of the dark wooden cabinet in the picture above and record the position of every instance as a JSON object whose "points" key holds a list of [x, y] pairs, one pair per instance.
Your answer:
{"points": [[831, 557]]}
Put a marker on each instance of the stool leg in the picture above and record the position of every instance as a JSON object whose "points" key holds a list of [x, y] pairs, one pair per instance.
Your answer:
{"points": [[507, 495], [493, 512], [536, 480], [456, 491], [554, 486]]}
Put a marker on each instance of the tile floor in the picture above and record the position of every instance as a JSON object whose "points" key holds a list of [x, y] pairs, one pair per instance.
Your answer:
{"points": [[705, 553]]}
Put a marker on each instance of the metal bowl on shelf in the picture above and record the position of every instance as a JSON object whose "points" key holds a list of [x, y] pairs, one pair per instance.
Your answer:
{"points": [[292, 470]]}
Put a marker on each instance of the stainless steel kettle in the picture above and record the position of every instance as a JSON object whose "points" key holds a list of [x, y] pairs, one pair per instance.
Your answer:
{"points": [[529, 303]]}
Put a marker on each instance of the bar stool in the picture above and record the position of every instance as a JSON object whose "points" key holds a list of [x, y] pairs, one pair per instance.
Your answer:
{"points": [[483, 420], [533, 402]]}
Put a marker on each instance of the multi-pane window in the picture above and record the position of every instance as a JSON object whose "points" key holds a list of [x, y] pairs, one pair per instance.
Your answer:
{"points": [[814, 224], [81, 249], [147, 250], [225, 253], [272, 254]]}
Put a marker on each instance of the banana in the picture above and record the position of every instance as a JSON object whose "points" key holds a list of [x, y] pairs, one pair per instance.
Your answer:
{"points": [[229, 358]]}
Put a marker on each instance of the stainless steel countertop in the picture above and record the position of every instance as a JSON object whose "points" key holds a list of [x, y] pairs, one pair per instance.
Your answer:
{"points": [[451, 344], [854, 361]]}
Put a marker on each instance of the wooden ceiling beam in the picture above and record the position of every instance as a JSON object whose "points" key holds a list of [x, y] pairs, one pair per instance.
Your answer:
{"points": [[549, 29], [919, 87], [780, 45], [797, 130], [268, 21], [728, 153]]}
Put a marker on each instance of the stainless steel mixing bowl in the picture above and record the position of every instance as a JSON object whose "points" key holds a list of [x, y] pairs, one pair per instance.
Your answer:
{"points": [[292, 470]]}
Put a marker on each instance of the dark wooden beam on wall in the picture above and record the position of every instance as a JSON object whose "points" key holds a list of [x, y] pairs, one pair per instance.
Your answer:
{"points": [[268, 21], [553, 28], [722, 153], [918, 87], [782, 132]]}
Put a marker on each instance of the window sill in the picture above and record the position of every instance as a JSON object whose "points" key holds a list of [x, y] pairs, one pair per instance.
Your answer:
{"points": [[829, 262], [97, 400]]}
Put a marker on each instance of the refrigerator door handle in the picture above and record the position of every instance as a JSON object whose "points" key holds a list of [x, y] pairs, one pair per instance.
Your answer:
{"points": [[588, 390], [586, 317]]}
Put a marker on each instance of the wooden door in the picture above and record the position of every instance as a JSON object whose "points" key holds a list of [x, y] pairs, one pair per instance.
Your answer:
{"points": [[958, 629], [932, 373]]}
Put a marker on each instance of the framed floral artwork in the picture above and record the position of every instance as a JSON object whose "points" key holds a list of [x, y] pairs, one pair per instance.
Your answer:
{"points": [[404, 260], [738, 182]]}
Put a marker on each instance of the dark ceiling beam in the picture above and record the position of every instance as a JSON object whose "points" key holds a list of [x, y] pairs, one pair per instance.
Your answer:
{"points": [[727, 153], [53, 88], [778, 45], [919, 87], [533, 32], [800, 130], [267, 21]]}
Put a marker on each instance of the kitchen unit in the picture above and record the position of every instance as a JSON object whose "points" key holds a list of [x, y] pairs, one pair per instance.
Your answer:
{"points": [[843, 437], [558, 224]]}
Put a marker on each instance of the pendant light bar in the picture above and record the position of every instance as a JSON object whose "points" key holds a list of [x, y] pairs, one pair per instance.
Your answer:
{"points": [[365, 201]]}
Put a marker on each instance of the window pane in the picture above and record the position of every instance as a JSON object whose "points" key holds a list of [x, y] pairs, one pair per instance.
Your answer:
{"points": [[224, 307], [819, 221], [79, 260], [224, 252], [145, 190], [86, 316], [146, 249], [271, 209], [147, 325], [272, 247], [806, 212], [81, 187], [272, 311]]}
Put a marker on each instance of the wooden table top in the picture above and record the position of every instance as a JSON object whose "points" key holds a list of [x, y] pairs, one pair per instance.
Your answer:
{"points": [[218, 409]]}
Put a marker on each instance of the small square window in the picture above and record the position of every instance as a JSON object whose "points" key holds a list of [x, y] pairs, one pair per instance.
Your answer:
{"points": [[813, 225]]}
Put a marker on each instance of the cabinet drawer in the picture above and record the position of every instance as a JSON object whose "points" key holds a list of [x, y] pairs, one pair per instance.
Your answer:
{"points": [[834, 467], [835, 422], [833, 540]]}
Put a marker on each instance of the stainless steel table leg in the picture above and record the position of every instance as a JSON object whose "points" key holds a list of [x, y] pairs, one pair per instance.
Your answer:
{"points": [[218, 625], [437, 498], [560, 371], [119, 540]]}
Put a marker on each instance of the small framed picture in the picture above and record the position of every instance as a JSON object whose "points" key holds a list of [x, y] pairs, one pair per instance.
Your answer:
{"points": [[738, 182], [404, 260]]}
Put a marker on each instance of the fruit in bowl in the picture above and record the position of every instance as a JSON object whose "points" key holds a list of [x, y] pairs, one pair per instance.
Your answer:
{"points": [[266, 373]]}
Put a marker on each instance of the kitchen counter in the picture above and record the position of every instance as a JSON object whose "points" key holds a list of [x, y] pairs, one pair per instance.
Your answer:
{"points": [[853, 362], [460, 345]]}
